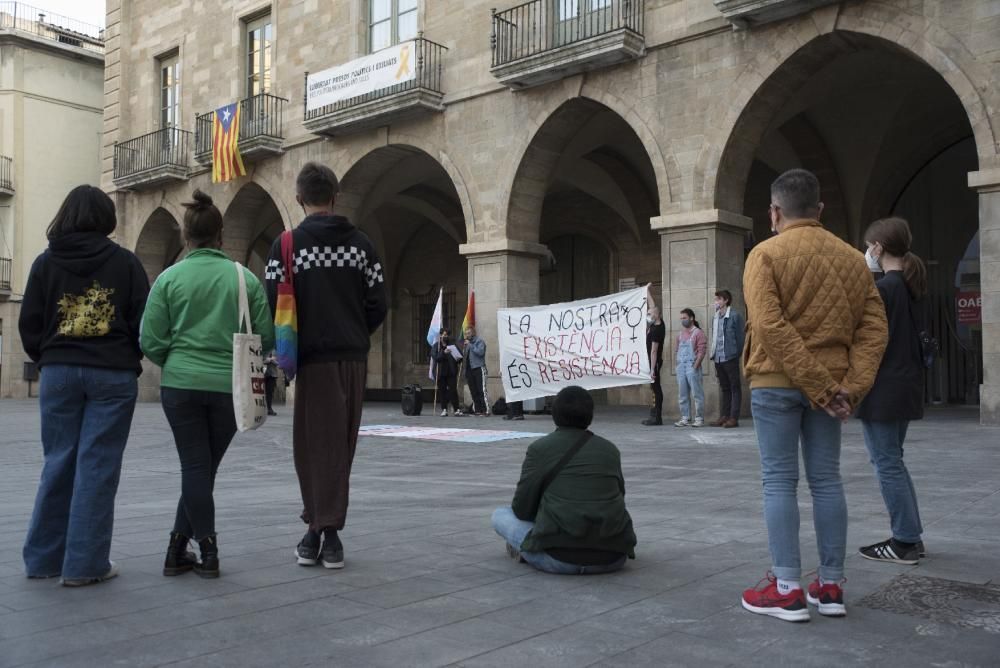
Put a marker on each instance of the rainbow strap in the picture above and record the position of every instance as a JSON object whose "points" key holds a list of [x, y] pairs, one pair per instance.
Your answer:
{"points": [[286, 320]]}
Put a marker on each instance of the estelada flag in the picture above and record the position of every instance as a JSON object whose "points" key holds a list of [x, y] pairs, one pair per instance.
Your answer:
{"points": [[227, 163], [470, 313]]}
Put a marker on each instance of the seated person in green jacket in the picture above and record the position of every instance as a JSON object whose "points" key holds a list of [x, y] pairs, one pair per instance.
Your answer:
{"points": [[568, 515]]}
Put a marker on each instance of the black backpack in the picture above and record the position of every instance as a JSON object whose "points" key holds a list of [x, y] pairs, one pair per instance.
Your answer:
{"points": [[412, 402]]}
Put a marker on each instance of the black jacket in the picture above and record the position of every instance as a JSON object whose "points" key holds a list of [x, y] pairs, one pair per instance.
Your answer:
{"points": [[339, 289], [445, 366], [83, 304], [898, 393]]}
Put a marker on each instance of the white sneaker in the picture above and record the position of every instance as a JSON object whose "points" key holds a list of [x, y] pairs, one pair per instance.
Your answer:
{"points": [[698, 422], [683, 422], [444, 413], [83, 582]]}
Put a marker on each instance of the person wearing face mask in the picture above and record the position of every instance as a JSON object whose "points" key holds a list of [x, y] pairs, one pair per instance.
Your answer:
{"points": [[446, 373], [898, 394], [689, 351], [725, 351], [656, 334]]}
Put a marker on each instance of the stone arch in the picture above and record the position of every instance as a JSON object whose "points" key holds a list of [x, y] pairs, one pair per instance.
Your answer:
{"points": [[251, 222], [159, 244], [768, 80]]}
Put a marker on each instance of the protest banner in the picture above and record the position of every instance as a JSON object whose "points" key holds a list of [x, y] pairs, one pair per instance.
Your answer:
{"points": [[383, 69], [593, 343]]}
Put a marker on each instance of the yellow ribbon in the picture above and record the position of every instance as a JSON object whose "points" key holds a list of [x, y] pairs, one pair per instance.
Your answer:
{"points": [[404, 63]]}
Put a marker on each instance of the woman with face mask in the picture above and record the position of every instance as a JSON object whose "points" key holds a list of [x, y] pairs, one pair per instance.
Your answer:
{"points": [[689, 351], [897, 396]]}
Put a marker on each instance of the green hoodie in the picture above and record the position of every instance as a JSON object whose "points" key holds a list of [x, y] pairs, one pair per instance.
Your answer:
{"points": [[190, 318]]}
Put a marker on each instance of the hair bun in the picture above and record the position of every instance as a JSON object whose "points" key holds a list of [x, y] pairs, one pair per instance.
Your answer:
{"points": [[201, 200]]}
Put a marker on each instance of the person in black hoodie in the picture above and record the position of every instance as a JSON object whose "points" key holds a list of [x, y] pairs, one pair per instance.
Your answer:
{"points": [[340, 301], [446, 373], [898, 394], [79, 321]]}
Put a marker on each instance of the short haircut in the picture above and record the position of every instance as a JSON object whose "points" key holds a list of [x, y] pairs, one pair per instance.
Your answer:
{"points": [[85, 209], [726, 295], [796, 192], [316, 184], [573, 407], [202, 220]]}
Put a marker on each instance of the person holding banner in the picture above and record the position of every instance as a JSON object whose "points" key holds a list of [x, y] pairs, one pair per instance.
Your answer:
{"points": [[446, 372], [474, 362], [568, 515], [689, 351], [656, 334]]}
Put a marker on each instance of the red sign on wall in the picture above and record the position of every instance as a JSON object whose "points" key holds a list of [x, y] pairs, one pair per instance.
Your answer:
{"points": [[969, 305]]}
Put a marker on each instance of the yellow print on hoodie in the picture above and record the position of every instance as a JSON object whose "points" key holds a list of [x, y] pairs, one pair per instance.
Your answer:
{"points": [[87, 315]]}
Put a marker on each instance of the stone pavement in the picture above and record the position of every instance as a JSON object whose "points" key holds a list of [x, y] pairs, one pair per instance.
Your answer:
{"points": [[427, 582]]}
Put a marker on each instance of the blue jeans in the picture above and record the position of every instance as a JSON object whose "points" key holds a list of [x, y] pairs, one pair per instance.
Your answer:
{"points": [[885, 448], [783, 417], [86, 416], [689, 379], [514, 531]]}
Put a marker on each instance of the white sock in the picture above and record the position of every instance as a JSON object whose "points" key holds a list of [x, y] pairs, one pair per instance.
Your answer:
{"points": [[827, 582], [785, 587]]}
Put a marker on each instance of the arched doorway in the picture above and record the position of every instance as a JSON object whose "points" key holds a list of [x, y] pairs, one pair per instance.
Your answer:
{"points": [[886, 135], [251, 223], [407, 203], [159, 244], [587, 189]]}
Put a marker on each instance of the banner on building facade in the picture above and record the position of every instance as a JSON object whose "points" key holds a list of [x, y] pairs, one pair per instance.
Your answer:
{"points": [[593, 343], [386, 68]]}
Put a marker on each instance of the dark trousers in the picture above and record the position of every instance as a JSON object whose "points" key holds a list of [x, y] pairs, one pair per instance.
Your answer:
{"points": [[476, 378], [203, 424], [448, 392], [328, 401], [730, 388], [657, 411], [269, 384], [515, 409]]}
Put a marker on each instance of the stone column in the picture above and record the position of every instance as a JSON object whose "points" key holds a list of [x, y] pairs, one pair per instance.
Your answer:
{"points": [[987, 184], [503, 274], [702, 251]]}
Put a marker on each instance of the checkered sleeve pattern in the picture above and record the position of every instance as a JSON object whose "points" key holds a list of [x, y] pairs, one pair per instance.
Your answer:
{"points": [[341, 256], [275, 271]]}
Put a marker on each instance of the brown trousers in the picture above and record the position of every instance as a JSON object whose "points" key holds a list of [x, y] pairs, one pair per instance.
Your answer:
{"points": [[328, 397]]}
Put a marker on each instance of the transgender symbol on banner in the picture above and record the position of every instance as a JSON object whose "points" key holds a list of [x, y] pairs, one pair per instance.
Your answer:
{"points": [[593, 343]]}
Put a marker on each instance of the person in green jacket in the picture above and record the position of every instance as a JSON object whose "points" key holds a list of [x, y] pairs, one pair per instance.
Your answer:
{"points": [[569, 520], [188, 326]]}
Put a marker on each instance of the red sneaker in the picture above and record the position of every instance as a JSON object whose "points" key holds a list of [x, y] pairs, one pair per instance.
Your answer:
{"points": [[767, 601], [828, 598]]}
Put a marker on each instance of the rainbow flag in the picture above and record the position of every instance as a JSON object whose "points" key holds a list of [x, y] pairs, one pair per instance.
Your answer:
{"points": [[227, 163], [286, 320], [470, 313]]}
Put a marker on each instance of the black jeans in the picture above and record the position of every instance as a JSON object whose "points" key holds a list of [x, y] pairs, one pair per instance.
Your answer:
{"points": [[657, 411], [730, 388], [203, 424], [270, 382], [448, 392]]}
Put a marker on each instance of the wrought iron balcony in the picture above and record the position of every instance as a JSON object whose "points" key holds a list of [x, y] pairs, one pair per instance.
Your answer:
{"points": [[546, 40], [152, 159], [262, 119], [6, 175], [746, 13], [419, 95], [6, 265]]}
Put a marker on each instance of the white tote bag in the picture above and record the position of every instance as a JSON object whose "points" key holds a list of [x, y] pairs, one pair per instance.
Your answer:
{"points": [[249, 402]]}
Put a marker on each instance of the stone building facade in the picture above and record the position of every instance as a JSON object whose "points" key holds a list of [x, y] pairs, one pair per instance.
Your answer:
{"points": [[559, 149], [51, 110]]}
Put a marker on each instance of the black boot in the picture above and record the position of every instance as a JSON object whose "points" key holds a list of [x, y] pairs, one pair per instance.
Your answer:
{"points": [[209, 565], [179, 558]]}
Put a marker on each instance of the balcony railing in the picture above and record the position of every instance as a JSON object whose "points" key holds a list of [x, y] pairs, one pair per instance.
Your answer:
{"points": [[152, 158], [6, 175], [422, 93], [542, 25], [6, 265], [262, 121], [25, 18]]}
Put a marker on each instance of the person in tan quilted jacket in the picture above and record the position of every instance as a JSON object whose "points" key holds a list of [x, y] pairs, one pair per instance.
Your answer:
{"points": [[816, 331]]}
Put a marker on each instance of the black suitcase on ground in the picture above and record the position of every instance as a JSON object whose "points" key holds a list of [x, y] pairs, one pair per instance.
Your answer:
{"points": [[413, 401]]}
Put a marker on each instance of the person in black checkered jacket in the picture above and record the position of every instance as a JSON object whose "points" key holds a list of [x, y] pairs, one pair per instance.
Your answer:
{"points": [[340, 298]]}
